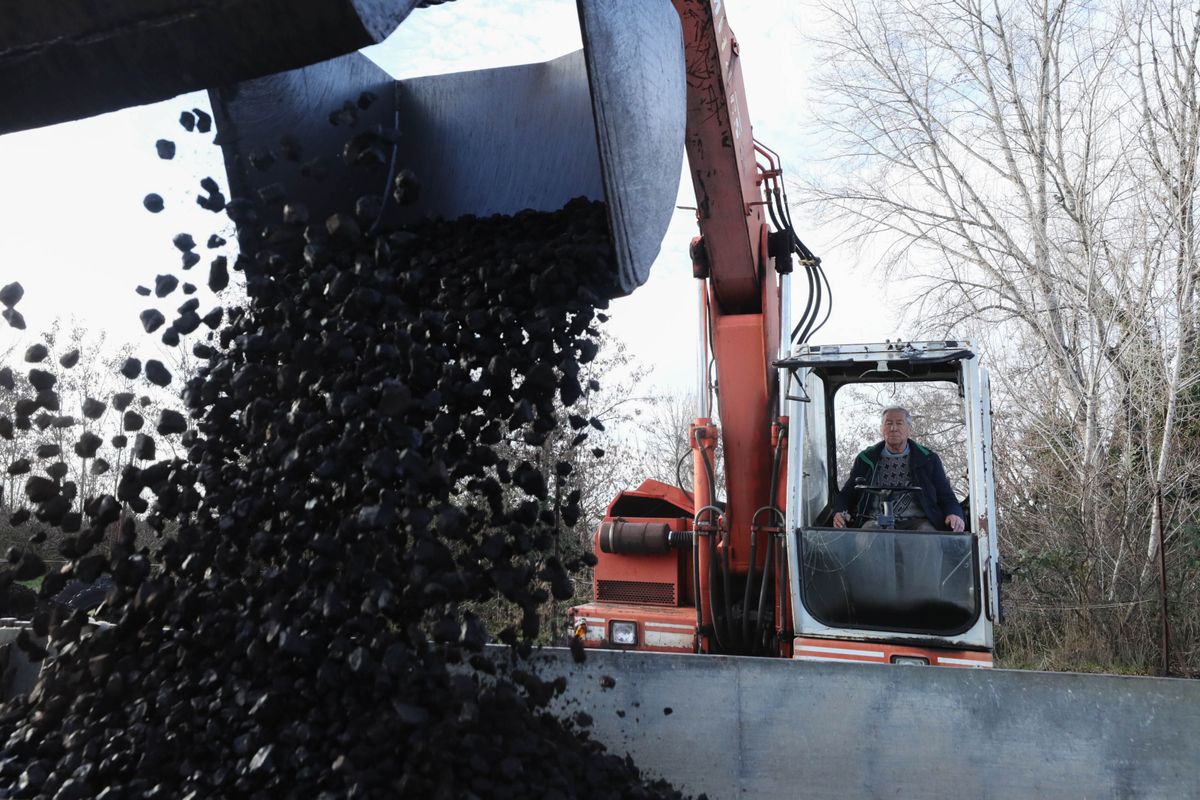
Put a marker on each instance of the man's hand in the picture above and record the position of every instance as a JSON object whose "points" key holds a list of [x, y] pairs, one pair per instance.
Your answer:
{"points": [[956, 523], [839, 520]]}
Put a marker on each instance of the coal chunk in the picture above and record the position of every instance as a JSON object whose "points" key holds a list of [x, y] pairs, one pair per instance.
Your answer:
{"points": [[93, 409], [218, 274], [213, 201], [30, 566], [143, 447], [11, 294], [171, 421], [213, 318], [152, 319], [131, 367], [88, 445], [13, 318], [156, 373], [164, 285], [39, 489], [42, 380]]}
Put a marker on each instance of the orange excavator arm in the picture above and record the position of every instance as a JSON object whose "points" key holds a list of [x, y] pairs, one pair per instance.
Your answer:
{"points": [[721, 158], [744, 303]]}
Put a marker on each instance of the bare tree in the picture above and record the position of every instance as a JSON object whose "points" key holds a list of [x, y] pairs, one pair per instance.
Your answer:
{"points": [[1031, 166]]}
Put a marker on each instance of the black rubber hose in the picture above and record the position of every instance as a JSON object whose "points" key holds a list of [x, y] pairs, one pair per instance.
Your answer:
{"points": [[808, 306], [829, 305], [776, 461], [727, 598], [814, 285], [775, 219], [718, 616], [817, 302], [749, 584], [762, 594]]}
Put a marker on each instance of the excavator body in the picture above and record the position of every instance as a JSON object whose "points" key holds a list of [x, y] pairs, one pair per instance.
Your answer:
{"points": [[875, 595]]}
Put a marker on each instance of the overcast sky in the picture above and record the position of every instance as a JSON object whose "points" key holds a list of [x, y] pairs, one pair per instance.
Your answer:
{"points": [[74, 233]]}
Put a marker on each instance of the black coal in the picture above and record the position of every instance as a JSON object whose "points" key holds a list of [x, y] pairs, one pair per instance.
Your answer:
{"points": [[304, 627]]}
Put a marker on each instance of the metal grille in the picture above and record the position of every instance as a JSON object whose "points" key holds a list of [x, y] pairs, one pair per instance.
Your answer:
{"points": [[655, 594]]}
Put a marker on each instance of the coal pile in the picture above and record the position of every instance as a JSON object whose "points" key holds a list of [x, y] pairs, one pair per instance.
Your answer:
{"points": [[304, 626]]}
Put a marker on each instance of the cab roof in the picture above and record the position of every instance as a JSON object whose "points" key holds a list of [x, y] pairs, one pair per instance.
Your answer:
{"points": [[883, 361]]}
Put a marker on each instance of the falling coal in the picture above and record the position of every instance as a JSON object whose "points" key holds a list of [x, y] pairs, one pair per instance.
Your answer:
{"points": [[335, 512]]}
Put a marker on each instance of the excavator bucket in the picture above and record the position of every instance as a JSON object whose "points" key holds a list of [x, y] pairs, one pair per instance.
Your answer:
{"points": [[605, 123]]}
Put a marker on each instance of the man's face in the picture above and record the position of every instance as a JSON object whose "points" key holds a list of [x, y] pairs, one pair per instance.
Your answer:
{"points": [[895, 430]]}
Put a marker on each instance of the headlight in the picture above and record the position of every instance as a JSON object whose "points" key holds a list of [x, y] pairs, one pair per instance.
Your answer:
{"points": [[623, 632], [916, 660]]}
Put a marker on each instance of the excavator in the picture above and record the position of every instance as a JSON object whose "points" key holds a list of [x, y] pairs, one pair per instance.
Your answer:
{"points": [[751, 565], [687, 584]]}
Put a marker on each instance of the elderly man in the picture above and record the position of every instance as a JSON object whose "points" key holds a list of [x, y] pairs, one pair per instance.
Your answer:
{"points": [[899, 461]]}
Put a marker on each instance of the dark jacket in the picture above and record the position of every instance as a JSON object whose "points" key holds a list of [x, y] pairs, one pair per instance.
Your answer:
{"points": [[936, 497]]}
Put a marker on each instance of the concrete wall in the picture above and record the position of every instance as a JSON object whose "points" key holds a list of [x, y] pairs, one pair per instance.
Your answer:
{"points": [[740, 727]]}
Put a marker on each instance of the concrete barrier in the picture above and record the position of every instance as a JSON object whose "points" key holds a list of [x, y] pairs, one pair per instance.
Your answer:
{"points": [[740, 727]]}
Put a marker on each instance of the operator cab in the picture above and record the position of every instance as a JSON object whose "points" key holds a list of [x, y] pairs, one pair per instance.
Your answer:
{"points": [[876, 593]]}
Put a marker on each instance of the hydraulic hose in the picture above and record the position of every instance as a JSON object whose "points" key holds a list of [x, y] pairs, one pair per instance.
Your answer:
{"points": [[760, 623], [720, 632], [696, 583], [726, 597], [776, 462], [749, 579]]}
